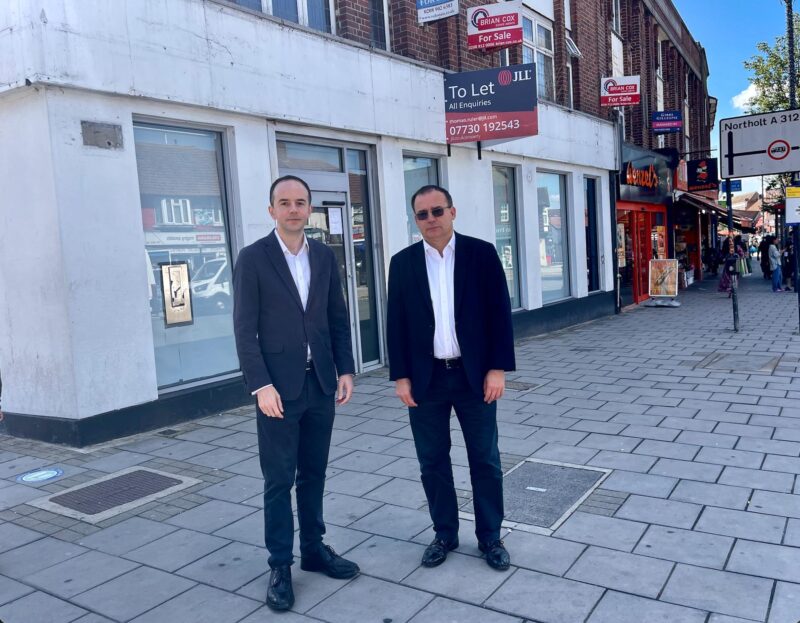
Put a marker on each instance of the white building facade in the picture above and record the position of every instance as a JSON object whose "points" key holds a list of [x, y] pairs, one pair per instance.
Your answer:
{"points": [[144, 133]]}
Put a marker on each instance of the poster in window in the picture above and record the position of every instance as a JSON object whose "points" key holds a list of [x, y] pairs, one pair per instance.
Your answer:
{"points": [[663, 278], [177, 294], [621, 245]]}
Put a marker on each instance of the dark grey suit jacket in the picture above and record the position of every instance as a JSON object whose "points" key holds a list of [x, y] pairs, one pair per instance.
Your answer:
{"points": [[272, 329]]}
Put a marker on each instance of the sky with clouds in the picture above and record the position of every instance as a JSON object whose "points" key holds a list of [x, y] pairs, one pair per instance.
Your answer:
{"points": [[729, 31]]}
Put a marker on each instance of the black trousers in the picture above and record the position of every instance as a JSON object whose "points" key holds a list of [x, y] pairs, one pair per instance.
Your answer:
{"points": [[295, 449], [430, 425]]}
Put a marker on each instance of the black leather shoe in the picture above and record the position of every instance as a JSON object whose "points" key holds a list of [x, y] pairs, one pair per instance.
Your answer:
{"points": [[436, 553], [496, 555], [280, 595], [330, 563]]}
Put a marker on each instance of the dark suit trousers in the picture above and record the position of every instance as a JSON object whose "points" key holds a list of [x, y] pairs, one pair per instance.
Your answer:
{"points": [[430, 425], [295, 445]]}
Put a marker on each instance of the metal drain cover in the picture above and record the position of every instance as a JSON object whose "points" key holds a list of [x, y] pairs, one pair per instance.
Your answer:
{"points": [[544, 493], [116, 493], [734, 362]]}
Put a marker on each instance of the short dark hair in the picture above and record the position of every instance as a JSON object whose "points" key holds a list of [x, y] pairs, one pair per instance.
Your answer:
{"points": [[287, 178], [430, 188]]}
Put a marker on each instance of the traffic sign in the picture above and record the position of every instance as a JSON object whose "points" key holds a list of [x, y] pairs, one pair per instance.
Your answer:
{"points": [[736, 186], [760, 144], [793, 205]]}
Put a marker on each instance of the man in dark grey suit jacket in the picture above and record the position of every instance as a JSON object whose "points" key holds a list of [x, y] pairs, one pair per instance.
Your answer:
{"points": [[293, 339], [451, 341]]}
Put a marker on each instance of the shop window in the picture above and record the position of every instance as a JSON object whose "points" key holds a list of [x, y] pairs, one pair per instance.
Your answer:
{"points": [[553, 236], [315, 14], [418, 171], [182, 197], [591, 223], [505, 228]]}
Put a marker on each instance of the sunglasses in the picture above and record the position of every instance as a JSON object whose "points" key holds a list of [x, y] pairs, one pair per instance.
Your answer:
{"points": [[422, 215]]}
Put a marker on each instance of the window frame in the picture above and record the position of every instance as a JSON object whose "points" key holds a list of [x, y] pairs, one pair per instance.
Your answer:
{"points": [[567, 276], [302, 15], [533, 45], [616, 17], [519, 268]]}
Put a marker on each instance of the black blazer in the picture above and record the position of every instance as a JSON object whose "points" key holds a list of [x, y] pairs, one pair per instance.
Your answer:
{"points": [[482, 315], [272, 329]]}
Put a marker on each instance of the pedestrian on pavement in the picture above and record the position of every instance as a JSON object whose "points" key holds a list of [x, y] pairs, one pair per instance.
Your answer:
{"points": [[763, 257], [293, 340], [450, 343], [729, 266], [787, 263], [774, 255]]}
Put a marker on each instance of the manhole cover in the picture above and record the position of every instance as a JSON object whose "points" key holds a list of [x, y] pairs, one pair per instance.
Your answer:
{"points": [[734, 362], [105, 497], [544, 493]]}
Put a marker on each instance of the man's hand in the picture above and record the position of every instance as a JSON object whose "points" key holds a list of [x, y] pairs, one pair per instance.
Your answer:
{"points": [[345, 389], [402, 387], [269, 401], [494, 385]]}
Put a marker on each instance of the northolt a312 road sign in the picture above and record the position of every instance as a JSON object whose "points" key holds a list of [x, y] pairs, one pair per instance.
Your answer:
{"points": [[764, 144]]}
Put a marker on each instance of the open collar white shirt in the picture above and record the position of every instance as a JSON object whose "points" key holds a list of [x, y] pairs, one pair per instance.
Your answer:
{"points": [[299, 267], [441, 281]]}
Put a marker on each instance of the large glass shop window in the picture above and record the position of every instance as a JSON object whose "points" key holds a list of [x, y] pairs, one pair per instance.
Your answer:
{"points": [[187, 255], [505, 228], [417, 172], [553, 239]]}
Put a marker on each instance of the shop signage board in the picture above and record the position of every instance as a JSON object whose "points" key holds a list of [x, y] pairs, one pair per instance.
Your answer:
{"points": [[663, 278], [620, 91], [793, 205], [666, 121], [645, 176], [493, 26], [431, 10], [736, 186], [764, 144], [491, 104], [702, 174]]}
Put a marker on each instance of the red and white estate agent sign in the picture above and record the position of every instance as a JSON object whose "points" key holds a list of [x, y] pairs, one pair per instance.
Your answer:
{"points": [[494, 26], [620, 91]]}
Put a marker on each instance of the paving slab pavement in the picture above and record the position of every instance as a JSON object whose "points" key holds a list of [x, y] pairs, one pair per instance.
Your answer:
{"points": [[697, 521]]}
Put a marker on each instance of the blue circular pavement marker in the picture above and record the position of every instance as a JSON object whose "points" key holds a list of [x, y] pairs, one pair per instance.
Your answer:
{"points": [[40, 475]]}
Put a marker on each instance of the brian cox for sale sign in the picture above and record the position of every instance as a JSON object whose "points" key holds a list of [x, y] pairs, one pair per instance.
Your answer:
{"points": [[494, 26], [491, 104]]}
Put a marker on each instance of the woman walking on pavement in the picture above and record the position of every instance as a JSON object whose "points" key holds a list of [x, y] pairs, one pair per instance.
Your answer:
{"points": [[787, 264], [729, 259], [775, 264]]}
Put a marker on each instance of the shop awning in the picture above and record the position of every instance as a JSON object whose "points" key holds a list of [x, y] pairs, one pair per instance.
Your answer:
{"points": [[740, 221]]}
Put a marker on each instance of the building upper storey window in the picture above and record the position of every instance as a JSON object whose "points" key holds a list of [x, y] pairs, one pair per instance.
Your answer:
{"points": [[616, 17], [537, 47], [315, 14]]}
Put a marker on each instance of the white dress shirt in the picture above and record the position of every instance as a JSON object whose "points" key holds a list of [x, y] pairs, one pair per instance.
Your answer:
{"points": [[300, 268], [441, 269]]}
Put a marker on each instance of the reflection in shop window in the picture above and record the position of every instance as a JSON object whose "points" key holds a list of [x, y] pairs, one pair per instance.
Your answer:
{"points": [[553, 239], [418, 172], [505, 228], [183, 217]]}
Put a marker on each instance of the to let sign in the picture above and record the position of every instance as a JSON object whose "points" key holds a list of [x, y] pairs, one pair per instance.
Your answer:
{"points": [[760, 144], [491, 104], [494, 26], [431, 10], [620, 91]]}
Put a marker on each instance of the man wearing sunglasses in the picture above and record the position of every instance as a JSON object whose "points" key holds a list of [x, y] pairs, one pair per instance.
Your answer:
{"points": [[450, 342]]}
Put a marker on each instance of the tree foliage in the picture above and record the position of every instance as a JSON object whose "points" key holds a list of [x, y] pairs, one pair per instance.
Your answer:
{"points": [[770, 75]]}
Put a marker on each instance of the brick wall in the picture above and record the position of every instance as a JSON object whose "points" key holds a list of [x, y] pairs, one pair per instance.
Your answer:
{"points": [[444, 43]]}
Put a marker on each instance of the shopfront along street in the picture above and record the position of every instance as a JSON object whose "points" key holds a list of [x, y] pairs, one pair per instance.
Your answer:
{"points": [[232, 229]]}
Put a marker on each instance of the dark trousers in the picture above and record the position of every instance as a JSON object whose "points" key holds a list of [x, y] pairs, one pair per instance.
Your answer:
{"points": [[430, 425], [296, 445]]}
